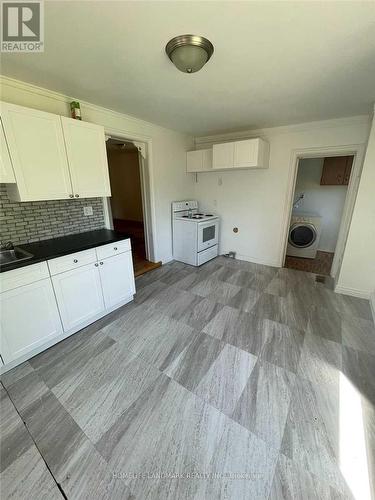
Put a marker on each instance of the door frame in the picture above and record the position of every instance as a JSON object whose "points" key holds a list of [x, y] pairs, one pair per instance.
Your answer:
{"points": [[144, 146], [356, 150]]}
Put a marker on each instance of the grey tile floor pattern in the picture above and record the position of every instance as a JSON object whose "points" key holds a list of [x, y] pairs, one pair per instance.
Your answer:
{"points": [[229, 381]]}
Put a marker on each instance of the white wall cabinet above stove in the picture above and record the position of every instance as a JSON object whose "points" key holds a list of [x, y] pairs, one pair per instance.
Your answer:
{"points": [[199, 161], [54, 157], [249, 153], [6, 168]]}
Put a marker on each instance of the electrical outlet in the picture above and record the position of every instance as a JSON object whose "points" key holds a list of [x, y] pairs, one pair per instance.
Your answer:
{"points": [[87, 211]]}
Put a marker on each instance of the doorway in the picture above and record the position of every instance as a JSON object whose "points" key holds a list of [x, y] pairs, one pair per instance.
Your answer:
{"points": [[319, 202], [126, 204]]}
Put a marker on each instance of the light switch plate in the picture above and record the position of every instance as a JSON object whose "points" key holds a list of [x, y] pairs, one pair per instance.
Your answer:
{"points": [[87, 211]]}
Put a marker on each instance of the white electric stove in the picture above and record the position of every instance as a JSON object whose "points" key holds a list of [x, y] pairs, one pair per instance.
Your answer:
{"points": [[195, 234]]}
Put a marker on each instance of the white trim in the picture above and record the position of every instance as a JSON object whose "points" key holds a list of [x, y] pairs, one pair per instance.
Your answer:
{"points": [[58, 96], [354, 292], [372, 304], [358, 151], [284, 129], [147, 188]]}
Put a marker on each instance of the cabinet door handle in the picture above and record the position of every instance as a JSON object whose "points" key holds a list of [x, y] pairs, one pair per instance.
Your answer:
{"points": [[71, 196], [101, 263], [114, 248], [96, 265], [77, 195], [75, 261]]}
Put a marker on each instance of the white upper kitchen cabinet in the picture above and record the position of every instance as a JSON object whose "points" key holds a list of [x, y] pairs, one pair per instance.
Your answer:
{"points": [[6, 168], [37, 150], [199, 161], [249, 153], [87, 158], [223, 155], [117, 278]]}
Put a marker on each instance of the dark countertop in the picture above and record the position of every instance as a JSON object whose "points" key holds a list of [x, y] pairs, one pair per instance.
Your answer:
{"points": [[56, 247]]}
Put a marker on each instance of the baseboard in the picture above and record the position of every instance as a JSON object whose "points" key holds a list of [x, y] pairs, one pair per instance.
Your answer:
{"points": [[354, 292], [263, 262]]}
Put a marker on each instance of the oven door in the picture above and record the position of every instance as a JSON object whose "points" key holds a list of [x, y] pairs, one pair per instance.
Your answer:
{"points": [[208, 234]]}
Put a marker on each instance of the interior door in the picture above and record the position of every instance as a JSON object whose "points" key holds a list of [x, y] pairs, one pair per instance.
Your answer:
{"points": [[37, 150], [87, 157], [6, 169], [29, 318], [117, 278], [79, 295]]}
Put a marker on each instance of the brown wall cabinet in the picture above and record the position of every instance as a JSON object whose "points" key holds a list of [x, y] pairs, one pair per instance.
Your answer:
{"points": [[336, 171]]}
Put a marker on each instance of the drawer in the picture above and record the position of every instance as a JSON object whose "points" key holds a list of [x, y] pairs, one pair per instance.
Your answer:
{"points": [[71, 261], [23, 276], [113, 249], [208, 254]]}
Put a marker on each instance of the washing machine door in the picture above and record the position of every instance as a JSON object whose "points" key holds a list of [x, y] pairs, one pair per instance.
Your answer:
{"points": [[302, 235]]}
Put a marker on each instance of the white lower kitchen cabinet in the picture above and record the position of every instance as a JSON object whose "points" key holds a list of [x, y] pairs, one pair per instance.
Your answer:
{"points": [[29, 318], [79, 295], [117, 278], [43, 303]]}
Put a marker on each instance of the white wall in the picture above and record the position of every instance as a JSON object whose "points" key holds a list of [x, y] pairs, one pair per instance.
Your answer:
{"points": [[168, 160], [357, 275], [258, 201], [326, 201]]}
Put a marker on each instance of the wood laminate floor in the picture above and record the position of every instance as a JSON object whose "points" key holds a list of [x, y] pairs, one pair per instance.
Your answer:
{"points": [[229, 381], [322, 263]]}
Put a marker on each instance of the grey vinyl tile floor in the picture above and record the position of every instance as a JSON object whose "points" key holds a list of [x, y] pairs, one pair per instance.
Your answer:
{"points": [[228, 381]]}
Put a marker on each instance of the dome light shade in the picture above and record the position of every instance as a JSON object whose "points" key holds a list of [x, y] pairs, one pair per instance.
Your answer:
{"points": [[189, 53]]}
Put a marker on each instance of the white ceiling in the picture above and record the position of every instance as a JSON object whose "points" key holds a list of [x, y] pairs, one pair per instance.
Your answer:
{"points": [[274, 63]]}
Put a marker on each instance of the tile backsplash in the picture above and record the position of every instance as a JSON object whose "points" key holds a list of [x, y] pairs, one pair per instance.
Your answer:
{"points": [[39, 220]]}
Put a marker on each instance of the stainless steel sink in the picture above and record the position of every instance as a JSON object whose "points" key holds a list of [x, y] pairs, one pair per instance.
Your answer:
{"points": [[14, 255]]}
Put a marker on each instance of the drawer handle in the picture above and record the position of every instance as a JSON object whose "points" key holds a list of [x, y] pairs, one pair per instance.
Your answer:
{"points": [[96, 265], [77, 195], [75, 261], [71, 196], [101, 263], [114, 248]]}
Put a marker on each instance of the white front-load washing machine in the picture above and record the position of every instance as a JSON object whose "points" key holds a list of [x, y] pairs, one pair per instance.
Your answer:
{"points": [[304, 235]]}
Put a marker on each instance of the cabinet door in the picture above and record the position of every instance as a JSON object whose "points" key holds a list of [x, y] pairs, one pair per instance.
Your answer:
{"points": [[223, 155], [29, 318], [79, 295], [336, 170], [87, 157], [36, 146], [6, 169], [199, 161], [117, 277], [246, 153]]}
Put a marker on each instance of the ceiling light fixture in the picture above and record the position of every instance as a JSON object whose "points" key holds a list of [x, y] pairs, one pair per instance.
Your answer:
{"points": [[189, 53]]}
